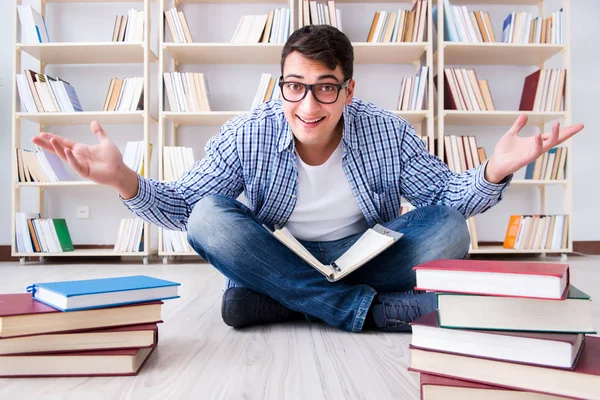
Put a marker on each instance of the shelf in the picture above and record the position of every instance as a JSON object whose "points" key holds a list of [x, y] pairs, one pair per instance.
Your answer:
{"points": [[507, 118], [270, 53], [85, 117], [84, 253], [498, 249], [57, 184], [499, 53], [497, 2], [177, 253], [412, 117], [537, 182], [87, 53], [95, 1], [274, 1], [212, 118]]}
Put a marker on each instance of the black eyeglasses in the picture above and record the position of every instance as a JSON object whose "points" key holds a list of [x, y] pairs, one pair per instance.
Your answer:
{"points": [[325, 93]]}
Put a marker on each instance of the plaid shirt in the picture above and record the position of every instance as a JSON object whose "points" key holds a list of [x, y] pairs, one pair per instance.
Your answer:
{"points": [[254, 153]]}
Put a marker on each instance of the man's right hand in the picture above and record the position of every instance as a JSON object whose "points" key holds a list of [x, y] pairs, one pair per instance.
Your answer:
{"points": [[101, 163]]}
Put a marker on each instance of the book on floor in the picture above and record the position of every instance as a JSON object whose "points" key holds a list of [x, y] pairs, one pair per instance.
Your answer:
{"points": [[583, 382], [466, 311], [549, 349], [104, 292], [374, 241], [494, 278], [435, 387], [21, 315]]}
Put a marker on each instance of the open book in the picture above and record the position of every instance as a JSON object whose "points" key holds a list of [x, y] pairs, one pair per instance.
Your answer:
{"points": [[374, 241]]}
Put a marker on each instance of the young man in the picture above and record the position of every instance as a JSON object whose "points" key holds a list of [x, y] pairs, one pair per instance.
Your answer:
{"points": [[327, 166]]}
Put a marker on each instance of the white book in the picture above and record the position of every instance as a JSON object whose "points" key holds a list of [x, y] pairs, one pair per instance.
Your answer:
{"points": [[27, 102], [374, 241]]}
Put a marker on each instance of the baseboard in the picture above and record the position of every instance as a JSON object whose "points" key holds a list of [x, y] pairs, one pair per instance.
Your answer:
{"points": [[590, 247]]}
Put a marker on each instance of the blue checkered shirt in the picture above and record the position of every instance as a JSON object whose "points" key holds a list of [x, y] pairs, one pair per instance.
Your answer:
{"points": [[254, 154]]}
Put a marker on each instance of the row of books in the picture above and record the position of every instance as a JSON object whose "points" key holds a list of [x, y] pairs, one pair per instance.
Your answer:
{"points": [[522, 27], [537, 232], [413, 90], [41, 235], [268, 89], [125, 94], [178, 26], [134, 155], [187, 91], [43, 93], [504, 329], [460, 25], [106, 331], [273, 27], [400, 26], [129, 28], [550, 165], [33, 25], [461, 153], [176, 241], [319, 12], [131, 236], [464, 91], [176, 161], [544, 90], [40, 165]]}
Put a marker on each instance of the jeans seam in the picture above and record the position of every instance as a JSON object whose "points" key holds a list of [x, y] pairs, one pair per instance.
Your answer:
{"points": [[363, 309]]}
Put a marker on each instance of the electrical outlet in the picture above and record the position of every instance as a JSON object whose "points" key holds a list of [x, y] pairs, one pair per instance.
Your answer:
{"points": [[83, 212]]}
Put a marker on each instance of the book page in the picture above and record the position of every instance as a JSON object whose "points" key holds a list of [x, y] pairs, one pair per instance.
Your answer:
{"points": [[293, 244], [368, 246]]}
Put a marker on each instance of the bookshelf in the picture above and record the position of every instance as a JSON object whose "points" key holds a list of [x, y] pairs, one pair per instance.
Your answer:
{"points": [[452, 54], [173, 56], [87, 54]]}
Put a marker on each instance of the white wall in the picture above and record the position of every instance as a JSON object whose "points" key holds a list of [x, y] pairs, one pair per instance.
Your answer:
{"points": [[232, 87]]}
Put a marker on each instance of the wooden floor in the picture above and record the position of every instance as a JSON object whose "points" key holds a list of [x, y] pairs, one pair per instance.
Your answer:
{"points": [[199, 357]]}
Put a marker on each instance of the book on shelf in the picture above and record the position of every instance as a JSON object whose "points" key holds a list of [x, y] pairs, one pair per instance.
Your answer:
{"points": [[176, 161], [273, 27], [549, 166], [129, 28], [544, 90], [41, 235], [373, 242], [33, 25], [21, 315], [461, 153], [435, 387], [557, 350], [497, 278], [176, 241], [178, 26], [125, 95], [537, 232], [464, 91], [187, 91], [462, 25], [400, 25], [134, 155], [268, 89], [317, 12], [130, 238], [522, 27], [40, 165], [43, 93], [413, 91], [467, 311], [86, 294]]}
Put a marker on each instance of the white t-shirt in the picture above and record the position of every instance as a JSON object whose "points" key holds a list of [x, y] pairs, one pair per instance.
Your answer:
{"points": [[325, 207]]}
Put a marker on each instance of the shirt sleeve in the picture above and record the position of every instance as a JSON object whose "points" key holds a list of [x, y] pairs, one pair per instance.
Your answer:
{"points": [[427, 180], [169, 205]]}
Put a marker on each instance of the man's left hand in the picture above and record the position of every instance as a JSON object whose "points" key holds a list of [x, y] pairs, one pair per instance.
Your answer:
{"points": [[513, 152]]}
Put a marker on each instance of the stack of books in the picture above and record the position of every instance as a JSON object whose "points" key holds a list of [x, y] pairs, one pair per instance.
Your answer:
{"points": [[95, 327], [400, 26], [504, 330], [412, 91], [273, 27], [464, 91], [41, 235], [178, 26], [125, 95], [544, 90], [268, 89], [43, 93]]}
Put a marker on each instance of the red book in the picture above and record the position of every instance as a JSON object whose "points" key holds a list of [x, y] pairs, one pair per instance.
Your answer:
{"points": [[439, 387], [21, 315], [529, 90], [495, 278], [581, 383]]}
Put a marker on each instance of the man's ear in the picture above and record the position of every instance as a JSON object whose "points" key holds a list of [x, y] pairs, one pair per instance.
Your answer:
{"points": [[350, 91]]}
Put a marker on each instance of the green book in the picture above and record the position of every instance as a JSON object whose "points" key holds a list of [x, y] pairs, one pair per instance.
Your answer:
{"points": [[64, 238]]}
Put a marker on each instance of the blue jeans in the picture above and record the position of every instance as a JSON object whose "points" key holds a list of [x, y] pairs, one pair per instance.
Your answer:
{"points": [[227, 234]]}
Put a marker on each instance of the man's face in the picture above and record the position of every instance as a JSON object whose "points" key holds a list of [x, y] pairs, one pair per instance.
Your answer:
{"points": [[314, 123]]}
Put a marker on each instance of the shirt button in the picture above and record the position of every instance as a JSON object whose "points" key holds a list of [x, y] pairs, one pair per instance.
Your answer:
{"points": [[293, 196]]}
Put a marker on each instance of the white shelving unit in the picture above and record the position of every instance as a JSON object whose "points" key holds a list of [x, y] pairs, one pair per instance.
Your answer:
{"points": [[78, 53], [507, 54], [173, 55]]}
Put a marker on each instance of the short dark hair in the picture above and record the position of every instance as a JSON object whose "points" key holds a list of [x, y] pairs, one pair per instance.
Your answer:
{"points": [[322, 43]]}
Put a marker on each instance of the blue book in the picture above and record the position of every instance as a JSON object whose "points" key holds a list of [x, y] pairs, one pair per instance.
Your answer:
{"points": [[101, 293]]}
